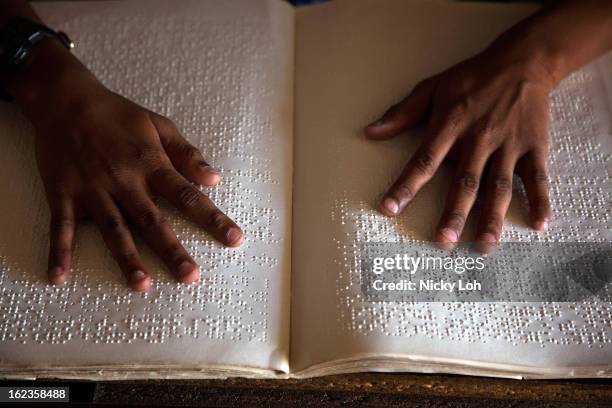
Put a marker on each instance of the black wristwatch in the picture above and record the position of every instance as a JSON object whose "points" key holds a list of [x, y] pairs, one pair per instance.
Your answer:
{"points": [[17, 39]]}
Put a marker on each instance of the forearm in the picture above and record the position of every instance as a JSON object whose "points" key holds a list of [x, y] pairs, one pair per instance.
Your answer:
{"points": [[560, 38]]}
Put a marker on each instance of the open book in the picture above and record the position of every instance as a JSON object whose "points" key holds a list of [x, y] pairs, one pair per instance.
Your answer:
{"points": [[276, 97]]}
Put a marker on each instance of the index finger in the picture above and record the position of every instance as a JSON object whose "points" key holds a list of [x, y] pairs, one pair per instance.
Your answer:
{"points": [[187, 198], [422, 165]]}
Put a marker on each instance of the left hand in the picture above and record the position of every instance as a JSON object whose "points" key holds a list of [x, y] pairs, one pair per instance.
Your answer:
{"points": [[491, 114], [105, 157]]}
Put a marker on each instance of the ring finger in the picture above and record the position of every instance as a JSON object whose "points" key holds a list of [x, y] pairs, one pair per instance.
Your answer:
{"points": [[497, 200], [118, 239]]}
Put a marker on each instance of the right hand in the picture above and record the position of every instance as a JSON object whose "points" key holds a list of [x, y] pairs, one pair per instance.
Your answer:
{"points": [[103, 156]]}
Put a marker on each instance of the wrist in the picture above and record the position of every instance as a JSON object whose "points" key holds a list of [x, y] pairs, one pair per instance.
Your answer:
{"points": [[50, 75], [525, 48], [560, 38]]}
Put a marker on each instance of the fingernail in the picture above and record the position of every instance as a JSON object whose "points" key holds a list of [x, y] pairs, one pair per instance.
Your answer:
{"points": [[208, 169], [211, 175], [234, 236], [185, 268], [377, 123], [448, 234], [57, 275], [486, 243], [187, 272], [541, 225], [487, 237], [56, 271], [137, 276], [390, 205]]}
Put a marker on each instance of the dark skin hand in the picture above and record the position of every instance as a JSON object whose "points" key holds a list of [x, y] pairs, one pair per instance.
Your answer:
{"points": [[481, 115], [490, 114], [104, 157]]}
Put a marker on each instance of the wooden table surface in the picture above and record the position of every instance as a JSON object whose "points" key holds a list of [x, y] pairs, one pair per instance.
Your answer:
{"points": [[371, 390], [360, 390]]}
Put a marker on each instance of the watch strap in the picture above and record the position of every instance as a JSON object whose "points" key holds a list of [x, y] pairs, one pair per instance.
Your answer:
{"points": [[18, 37]]}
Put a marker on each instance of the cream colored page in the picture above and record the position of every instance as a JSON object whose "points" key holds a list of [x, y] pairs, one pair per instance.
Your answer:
{"points": [[356, 58], [223, 71]]}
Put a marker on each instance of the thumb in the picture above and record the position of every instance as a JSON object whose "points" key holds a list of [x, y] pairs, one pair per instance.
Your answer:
{"points": [[185, 157], [405, 114]]}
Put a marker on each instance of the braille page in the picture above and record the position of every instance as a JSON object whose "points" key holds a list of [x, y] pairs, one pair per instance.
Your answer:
{"points": [[223, 71], [356, 58]]}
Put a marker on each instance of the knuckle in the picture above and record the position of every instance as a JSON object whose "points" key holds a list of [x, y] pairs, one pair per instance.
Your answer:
{"points": [[137, 119], [453, 118], [424, 163], [485, 129], [541, 178], [189, 152], [167, 123], [147, 155], [217, 220], [455, 219], [163, 174], [128, 192], [468, 182], [149, 219], [501, 185], [116, 173], [458, 106], [188, 196], [112, 223]]}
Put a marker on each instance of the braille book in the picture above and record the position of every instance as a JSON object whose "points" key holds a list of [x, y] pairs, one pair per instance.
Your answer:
{"points": [[277, 97]]}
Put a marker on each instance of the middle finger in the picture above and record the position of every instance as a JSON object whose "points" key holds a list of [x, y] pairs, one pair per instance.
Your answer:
{"points": [[462, 194]]}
